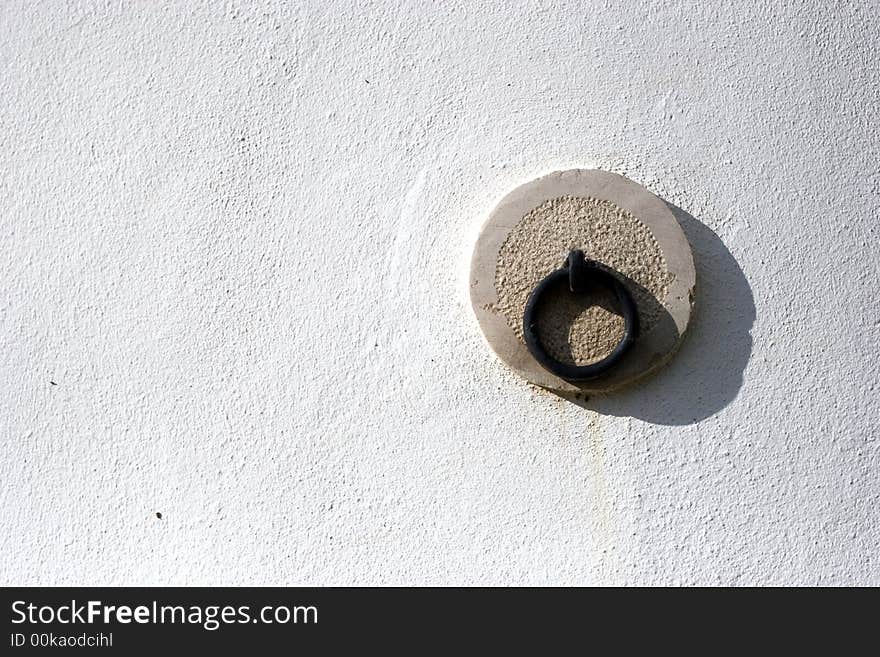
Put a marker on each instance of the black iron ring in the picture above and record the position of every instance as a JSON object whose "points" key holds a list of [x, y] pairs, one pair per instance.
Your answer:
{"points": [[578, 273]]}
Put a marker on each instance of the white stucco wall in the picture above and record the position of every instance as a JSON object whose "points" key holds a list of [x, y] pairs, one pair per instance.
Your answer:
{"points": [[235, 246]]}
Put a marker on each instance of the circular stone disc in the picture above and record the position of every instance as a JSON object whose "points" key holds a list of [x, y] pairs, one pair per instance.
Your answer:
{"points": [[612, 220]]}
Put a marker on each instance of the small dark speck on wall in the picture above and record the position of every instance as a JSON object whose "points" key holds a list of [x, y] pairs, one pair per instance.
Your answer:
{"points": [[158, 515], [52, 383]]}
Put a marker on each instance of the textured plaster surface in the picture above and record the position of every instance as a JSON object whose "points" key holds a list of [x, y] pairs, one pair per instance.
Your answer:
{"points": [[233, 291]]}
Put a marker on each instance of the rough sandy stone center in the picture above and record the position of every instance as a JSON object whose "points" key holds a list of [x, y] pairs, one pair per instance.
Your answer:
{"points": [[605, 233]]}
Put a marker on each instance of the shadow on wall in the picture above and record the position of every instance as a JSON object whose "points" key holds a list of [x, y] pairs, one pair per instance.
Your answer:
{"points": [[707, 372]]}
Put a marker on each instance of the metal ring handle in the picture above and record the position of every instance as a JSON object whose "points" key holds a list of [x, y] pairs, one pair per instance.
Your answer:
{"points": [[577, 273]]}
